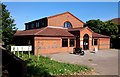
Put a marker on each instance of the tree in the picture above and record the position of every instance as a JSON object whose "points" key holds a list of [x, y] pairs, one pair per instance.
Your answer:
{"points": [[107, 28], [110, 28], [0, 24], [95, 25], [8, 26]]}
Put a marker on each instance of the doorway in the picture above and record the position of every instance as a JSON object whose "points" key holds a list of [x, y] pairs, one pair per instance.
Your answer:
{"points": [[86, 42]]}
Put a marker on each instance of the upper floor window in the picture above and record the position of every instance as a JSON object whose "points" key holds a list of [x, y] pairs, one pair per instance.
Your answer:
{"points": [[27, 26], [67, 25], [43, 24], [37, 24], [32, 25]]}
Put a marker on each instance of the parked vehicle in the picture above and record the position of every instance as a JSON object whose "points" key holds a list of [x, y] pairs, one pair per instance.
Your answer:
{"points": [[78, 51]]}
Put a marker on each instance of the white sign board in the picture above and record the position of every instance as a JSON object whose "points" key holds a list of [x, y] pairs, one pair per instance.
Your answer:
{"points": [[21, 48], [81, 43]]}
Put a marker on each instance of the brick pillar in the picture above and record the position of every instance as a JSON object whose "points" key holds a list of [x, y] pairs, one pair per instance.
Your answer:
{"points": [[68, 42]]}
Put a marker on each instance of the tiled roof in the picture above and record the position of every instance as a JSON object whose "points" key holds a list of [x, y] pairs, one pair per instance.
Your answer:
{"points": [[75, 29], [96, 35], [50, 31], [79, 28], [116, 20], [46, 31], [27, 32]]}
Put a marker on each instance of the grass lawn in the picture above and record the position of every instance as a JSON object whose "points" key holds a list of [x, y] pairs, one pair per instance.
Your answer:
{"points": [[47, 67]]}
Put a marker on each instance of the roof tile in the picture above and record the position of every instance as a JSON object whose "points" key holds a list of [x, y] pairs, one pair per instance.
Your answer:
{"points": [[46, 31], [96, 35]]}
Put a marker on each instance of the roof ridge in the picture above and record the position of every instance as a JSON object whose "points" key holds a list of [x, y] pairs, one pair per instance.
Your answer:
{"points": [[40, 30], [101, 34], [57, 14], [65, 13], [56, 27], [87, 28]]}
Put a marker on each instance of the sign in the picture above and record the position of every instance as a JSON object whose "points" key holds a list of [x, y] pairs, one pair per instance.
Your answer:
{"points": [[21, 48], [81, 43]]}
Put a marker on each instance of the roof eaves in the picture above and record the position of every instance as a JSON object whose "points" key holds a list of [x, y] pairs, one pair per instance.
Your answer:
{"points": [[87, 28]]}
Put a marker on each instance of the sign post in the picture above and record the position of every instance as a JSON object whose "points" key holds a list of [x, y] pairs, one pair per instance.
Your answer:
{"points": [[14, 50], [21, 48], [22, 51], [28, 52], [18, 52]]}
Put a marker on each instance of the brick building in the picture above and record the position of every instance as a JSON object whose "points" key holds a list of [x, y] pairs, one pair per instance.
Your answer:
{"points": [[60, 33]]}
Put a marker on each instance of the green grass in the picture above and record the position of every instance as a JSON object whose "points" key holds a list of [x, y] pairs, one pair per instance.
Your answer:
{"points": [[46, 67]]}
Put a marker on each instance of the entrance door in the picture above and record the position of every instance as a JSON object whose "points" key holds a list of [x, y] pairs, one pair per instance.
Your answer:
{"points": [[86, 42]]}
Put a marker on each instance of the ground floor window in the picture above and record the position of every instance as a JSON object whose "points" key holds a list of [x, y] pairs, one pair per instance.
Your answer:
{"points": [[92, 42], [95, 42], [64, 42], [72, 42]]}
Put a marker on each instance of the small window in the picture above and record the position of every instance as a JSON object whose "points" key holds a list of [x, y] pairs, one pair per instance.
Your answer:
{"points": [[72, 42], [43, 24], [27, 26], [64, 42], [95, 41], [32, 25], [37, 24], [67, 25]]}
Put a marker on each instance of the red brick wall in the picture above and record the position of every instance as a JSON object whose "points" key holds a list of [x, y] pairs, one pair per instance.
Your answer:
{"points": [[61, 19], [104, 43], [44, 45], [82, 33]]}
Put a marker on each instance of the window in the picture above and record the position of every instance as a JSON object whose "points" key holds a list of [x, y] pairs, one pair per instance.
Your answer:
{"points": [[71, 42], [43, 24], [67, 25], [95, 41], [64, 42], [32, 25], [37, 24], [27, 26]]}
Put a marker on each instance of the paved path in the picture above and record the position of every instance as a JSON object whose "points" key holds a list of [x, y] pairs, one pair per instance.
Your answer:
{"points": [[105, 62]]}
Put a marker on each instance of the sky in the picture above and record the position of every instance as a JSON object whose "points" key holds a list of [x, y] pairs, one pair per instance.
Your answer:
{"points": [[24, 12]]}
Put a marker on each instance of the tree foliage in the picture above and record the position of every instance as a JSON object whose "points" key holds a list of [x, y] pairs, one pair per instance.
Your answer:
{"points": [[107, 28], [110, 28], [95, 25], [8, 26]]}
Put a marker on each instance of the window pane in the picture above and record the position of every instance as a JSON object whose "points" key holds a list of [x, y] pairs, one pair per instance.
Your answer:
{"points": [[37, 24], [67, 25], [95, 41], [32, 25], [27, 26], [71, 42], [64, 42]]}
